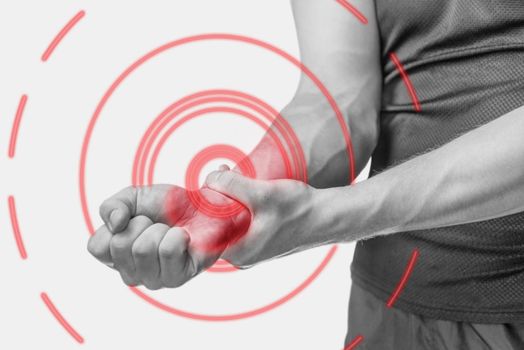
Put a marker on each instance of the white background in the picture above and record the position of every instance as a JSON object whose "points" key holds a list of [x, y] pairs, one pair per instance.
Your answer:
{"points": [[43, 176]]}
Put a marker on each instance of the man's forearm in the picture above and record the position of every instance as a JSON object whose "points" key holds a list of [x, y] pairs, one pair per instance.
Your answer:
{"points": [[476, 177], [344, 56], [321, 141]]}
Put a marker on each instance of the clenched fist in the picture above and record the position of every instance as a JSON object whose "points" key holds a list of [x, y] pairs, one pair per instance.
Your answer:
{"points": [[157, 237]]}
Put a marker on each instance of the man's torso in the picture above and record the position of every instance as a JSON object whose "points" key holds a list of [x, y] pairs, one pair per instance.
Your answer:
{"points": [[465, 61]]}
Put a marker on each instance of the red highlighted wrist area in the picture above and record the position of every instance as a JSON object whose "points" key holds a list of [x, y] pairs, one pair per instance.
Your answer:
{"points": [[209, 234], [213, 220], [193, 174]]}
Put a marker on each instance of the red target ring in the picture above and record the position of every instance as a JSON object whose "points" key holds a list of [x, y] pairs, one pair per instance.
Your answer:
{"points": [[204, 104], [199, 38], [193, 173], [197, 105], [224, 96]]}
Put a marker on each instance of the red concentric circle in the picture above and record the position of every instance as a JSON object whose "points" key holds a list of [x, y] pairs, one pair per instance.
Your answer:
{"points": [[177, 43], [204, 104], [237, 98], [198, 105], [195, 167]]}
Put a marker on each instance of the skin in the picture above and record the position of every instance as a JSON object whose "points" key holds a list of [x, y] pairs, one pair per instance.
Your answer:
{"points": [[345, 57], [476, 177], [446, 186], [162, 239]]}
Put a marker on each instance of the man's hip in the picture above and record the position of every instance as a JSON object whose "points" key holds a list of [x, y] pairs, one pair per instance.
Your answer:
{"points": [[393, 329]]}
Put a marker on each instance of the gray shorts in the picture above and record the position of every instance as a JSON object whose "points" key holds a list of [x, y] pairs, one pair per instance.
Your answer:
{"points": [[393, 329]]}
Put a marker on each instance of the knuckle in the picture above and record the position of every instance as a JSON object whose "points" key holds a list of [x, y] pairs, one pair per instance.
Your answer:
{"points": [[141, 249], [166, 251], [173, 246], [127, 193], [118, 244], [142, 220]]}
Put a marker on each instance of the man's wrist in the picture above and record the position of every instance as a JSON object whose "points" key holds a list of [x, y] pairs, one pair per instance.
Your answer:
{"points": [[347, 214], [328, 217]]}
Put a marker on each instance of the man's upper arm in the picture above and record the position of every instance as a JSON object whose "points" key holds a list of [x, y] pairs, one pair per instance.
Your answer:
{"points": [[344, 53]]}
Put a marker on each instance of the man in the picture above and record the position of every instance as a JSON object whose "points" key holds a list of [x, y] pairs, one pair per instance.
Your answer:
{"points": [[447, 177]]}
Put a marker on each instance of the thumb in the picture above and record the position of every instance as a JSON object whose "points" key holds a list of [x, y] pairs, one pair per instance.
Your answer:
{"points": [[236, 186], [117, 210]]}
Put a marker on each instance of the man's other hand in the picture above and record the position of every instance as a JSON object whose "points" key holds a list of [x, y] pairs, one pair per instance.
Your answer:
{"points": [[156, 236]]}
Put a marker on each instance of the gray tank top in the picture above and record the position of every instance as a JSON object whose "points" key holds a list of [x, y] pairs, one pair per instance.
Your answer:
{"points": [[465, 60]]}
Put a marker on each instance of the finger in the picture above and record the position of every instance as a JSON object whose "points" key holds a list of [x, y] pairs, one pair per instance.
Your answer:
{"points": [[121, 248], [224, 167], [241, 188], [117, 210], [145, 255], [98, 245], [174, 259]]}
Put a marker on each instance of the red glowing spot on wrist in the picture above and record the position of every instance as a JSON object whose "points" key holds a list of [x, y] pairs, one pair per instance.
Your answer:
{"points": [[209, 234]]}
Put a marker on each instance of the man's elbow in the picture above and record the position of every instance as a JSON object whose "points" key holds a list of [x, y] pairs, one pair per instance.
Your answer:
{"points": [[364, 130]]}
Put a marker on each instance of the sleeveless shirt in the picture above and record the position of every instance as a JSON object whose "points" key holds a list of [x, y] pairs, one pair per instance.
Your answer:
{"points": [[465, 60]]}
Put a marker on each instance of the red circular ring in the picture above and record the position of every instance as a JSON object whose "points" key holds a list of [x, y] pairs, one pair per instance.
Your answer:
{"points": [[199, 161], [156, 152], [209, 209], [245, 314], [204, 97], [176, 43], [226, 96]]}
